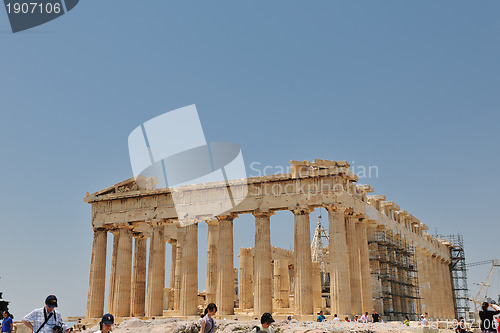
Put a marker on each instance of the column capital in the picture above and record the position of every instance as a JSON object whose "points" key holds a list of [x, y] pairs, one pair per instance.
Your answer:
{"points": [[156, 222], [333, 208], [213, 221], [101, 228], [114, 230], [121, 226], [139, 235], [227, 217], [301, 210], [262, 214]]}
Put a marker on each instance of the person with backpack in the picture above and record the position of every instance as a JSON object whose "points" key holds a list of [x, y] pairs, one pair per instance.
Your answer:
{"points": [[265, 324], [46, 319], [207, 322]]}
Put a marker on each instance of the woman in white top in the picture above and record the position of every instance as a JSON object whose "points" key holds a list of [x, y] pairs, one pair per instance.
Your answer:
{"points": [[207, 322]]}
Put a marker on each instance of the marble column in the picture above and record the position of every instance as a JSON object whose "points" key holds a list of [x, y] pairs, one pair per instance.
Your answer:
{"points": [[303, 263], [189, 281], [168, 300], [421, 280], [434, 287], [138, 297], [246, 278], [442, 288], [340, 287], [449, 309], [316, 286], [364, 261], [225, 272], [112, 273], [376, 283], [281, 284], [429, 299], [178, 268], [451, 292], [263, 274], [123, 282], [354, 273], [173, 262], [213, 239], [97, 283], [156, 273]]}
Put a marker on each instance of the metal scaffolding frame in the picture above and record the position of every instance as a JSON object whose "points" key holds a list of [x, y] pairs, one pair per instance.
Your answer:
{"points": [[398, 275], [458, 270]]}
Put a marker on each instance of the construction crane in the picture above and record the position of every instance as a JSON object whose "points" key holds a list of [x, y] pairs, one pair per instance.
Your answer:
{"points": [[485, 285]]}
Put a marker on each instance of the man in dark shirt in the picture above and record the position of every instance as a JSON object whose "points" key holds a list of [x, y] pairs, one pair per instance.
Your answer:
{"points": [[375, 317], [488, 324]]}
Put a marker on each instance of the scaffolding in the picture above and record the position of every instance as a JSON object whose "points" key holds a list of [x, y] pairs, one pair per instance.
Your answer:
{"points": [[458, 270], [397, 273]]}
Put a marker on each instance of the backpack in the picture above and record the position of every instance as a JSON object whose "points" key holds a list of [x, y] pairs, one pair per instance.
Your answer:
{"points": [[256, 328]]}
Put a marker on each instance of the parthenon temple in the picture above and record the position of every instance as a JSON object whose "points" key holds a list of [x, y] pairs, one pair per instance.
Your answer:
{"points": [[378, 256]]}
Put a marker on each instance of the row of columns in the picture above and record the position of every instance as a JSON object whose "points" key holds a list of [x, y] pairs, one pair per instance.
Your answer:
{"points": [[349, 268], [350, 279], [436, 286], [127, 285]]}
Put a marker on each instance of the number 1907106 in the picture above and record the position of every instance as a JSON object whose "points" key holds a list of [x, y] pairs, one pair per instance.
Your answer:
{"points": [[33, 8]]}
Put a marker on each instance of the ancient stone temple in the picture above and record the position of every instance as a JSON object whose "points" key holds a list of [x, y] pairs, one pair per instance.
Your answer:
{"points": [[378, 256]]}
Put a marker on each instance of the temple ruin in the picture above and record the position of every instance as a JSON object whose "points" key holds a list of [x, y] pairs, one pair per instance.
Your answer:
{"points": [[378, 255]]}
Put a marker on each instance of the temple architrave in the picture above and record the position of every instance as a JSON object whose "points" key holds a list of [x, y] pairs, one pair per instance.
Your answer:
{"points": [[378, 255]]}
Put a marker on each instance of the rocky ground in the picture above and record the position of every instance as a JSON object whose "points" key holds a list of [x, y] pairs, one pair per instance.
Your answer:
{"points": [[225, 326]]}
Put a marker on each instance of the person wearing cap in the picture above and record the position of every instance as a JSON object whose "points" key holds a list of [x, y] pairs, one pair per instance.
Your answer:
{"points": [[423, 320], [265, 324], [106, 323], [44, 320]]}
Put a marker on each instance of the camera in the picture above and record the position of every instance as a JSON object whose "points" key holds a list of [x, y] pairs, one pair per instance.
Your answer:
{"points": [[57, 329]]}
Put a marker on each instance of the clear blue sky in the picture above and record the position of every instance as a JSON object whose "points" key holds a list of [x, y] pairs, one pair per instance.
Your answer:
{"points": [[411, 87]]}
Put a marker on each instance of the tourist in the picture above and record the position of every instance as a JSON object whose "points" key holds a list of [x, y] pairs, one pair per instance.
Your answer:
{"points": [[265, 324], [364, 318], [406, 321], [375, 317], [335, 318], [46, 319], [321, 317], [7, 325], [106, 323], [423, 320], [356, 318], [207, 322], [487, 322], [461, 326], [347, 319], [289, 319]]}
